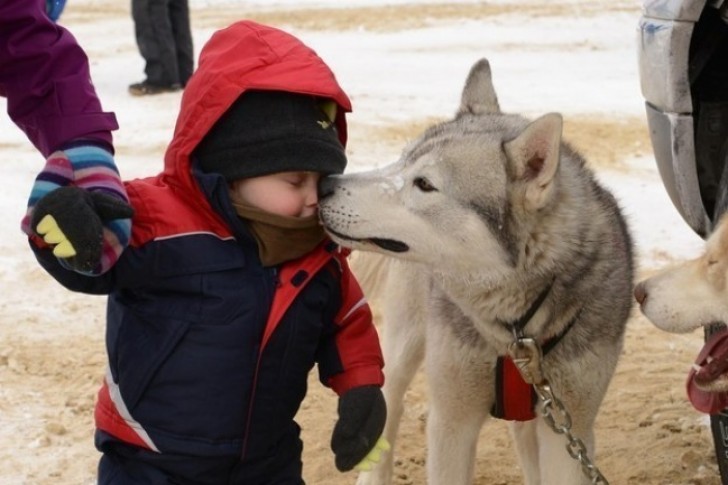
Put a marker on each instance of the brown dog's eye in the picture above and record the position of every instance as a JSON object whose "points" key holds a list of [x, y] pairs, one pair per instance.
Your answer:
{"points": [[424, 185]]}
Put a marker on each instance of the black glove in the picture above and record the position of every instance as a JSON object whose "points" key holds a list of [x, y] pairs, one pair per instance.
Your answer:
{"points": [[75, 225], [362, 414]]}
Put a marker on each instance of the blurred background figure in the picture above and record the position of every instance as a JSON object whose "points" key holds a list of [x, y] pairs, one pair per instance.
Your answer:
{"points": [[164, 38], [54, 8]]}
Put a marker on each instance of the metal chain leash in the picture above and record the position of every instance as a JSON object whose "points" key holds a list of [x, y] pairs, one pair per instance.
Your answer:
{"points": [[527, 355]]}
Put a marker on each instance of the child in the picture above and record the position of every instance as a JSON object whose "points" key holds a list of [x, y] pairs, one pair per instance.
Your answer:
{"points": [[230, 292]]}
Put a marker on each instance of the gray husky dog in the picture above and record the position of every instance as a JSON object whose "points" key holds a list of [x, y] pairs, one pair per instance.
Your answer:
{"points": [[496, 231]]}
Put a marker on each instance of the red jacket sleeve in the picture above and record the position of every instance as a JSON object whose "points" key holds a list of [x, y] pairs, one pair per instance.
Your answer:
{"points": [[356, 339], [45, 76]]}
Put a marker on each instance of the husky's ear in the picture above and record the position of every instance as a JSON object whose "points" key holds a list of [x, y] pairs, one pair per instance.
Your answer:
{"points": [[534, 158], [478, 95]]}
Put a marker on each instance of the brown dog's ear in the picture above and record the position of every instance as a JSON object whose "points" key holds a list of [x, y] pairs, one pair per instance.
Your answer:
{"points": [[478, 94], [534, 157]]}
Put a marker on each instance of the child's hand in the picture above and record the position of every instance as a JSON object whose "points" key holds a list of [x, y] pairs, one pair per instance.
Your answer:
{"points": [[71, 220], [362, 414], [90, 225]]}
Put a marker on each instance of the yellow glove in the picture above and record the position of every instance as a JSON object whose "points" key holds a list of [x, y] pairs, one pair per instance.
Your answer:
{"points": [[53, 236], [373, 456]]}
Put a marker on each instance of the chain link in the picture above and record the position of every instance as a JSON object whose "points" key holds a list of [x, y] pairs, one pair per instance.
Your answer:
{"points": [[527, 355]]}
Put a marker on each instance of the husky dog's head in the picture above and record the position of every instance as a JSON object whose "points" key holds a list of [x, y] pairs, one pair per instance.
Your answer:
{"points": [[690, 294], [455, 195]]}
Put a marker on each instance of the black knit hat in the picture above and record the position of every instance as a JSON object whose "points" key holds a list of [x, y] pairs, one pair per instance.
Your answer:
{"points": [[266, 132]]}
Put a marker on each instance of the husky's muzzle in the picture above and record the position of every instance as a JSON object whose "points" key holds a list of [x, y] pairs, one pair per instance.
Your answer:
{"points": [[327, 187]]}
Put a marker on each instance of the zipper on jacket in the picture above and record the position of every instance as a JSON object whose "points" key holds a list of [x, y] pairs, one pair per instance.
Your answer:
{"points": [[276, 280], [270, 292]]}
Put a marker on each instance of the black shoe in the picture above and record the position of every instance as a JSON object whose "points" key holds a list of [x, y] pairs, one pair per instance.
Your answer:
{"points": [[145, 88]]}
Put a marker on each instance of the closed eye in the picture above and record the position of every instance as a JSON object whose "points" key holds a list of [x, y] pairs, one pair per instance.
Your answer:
{"points": [[424, 185], [293, 179]]}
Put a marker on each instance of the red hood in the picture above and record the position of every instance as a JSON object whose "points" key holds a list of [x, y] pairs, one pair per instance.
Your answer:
{"points": [[244, 56]]}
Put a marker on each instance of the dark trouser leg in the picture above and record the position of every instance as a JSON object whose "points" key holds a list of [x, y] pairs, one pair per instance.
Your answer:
{"points": [[155, 40], [282, 466], [123, 464], [179, 14]]}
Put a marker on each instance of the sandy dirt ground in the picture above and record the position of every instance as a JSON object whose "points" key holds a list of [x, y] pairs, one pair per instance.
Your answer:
{"points": [[52, 359]]}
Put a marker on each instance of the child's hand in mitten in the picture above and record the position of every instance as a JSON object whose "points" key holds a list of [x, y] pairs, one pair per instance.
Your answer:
{"points": [[100, 232], [72, 220], [362, 414]]}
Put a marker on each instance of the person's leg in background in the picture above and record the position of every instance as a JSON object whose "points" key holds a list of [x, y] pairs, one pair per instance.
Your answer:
{"points": [[179, 14], [156, 42]]}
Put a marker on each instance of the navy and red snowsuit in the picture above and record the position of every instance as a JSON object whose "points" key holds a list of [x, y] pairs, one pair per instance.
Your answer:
{"points": [[209, 351]]}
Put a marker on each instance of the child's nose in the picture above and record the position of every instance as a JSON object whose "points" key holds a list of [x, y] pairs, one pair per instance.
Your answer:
{"points": [[312, 197]]}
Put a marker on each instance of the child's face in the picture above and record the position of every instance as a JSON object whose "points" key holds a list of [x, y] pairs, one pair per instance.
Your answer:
{"points": [[291, 194]]}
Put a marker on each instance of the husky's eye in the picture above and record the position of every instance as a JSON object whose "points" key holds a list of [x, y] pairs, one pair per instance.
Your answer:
{"points": [[424, 185]]}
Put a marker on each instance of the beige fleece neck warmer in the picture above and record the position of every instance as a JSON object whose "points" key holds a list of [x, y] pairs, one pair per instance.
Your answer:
{"points": [[280, 238]]}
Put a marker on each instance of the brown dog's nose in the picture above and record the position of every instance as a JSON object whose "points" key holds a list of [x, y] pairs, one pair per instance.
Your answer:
{"points": [[640, 293]]}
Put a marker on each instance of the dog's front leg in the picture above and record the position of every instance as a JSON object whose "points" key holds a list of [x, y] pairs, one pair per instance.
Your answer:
{"points": [[460, 379], [581, 394], [525, 439], [543, 456], [559, 468], [403, 346]]}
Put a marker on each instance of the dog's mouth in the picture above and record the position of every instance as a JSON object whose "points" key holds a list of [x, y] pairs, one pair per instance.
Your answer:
{"points": [[391, 245], [711, 367], [707, 384]]}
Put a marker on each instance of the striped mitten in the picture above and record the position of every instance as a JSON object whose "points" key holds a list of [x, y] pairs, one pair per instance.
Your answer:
{"points": [[91, 168]]}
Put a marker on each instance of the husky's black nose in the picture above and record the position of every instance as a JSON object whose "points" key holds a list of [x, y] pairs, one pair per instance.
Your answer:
{"points": [[326, 187]]}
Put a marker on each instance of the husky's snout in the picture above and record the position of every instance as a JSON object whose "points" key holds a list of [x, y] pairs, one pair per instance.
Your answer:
{"points": [[337, 222]]}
